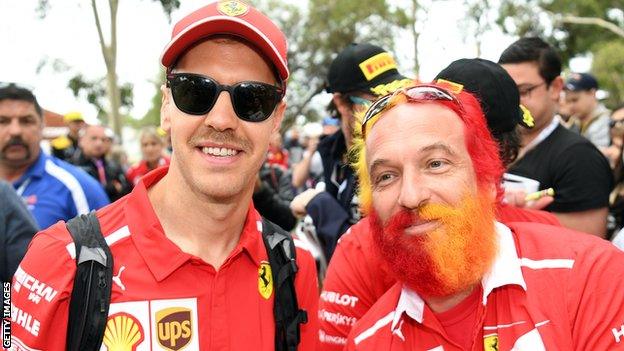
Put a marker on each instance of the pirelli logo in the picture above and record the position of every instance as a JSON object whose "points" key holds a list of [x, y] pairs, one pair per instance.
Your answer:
{"points": [[174, 327], [377, 65]]}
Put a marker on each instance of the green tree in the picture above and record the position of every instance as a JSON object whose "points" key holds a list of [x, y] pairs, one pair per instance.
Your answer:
{"points": [[316, 33], [575, 27], [114, 92], [608, 66]]}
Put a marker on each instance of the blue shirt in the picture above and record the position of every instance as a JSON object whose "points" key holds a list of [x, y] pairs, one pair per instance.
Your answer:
{"points": [[54, 190]]}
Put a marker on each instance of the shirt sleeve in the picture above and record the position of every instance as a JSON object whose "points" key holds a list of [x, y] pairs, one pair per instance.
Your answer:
{"points": [[306, 284], [40, 293], [355, 280], [584, 180], [596, 305]]}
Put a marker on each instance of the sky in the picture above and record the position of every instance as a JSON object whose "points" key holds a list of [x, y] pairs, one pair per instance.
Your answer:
{"points": [[68, 33]]}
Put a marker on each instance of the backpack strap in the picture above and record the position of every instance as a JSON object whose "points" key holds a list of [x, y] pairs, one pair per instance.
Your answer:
{"points": [[288, 317], [90, 298]]}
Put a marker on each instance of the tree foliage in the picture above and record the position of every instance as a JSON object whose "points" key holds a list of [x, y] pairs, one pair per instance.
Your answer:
{"points": [[608, 66], [577, 27], [316, 33]]}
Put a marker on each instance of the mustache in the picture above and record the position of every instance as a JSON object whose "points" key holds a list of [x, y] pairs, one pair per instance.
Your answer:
{"points": [[15, 141], [225, 137]]}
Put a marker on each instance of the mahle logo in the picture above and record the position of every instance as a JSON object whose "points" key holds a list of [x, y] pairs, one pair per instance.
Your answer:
{"points": [[174, 326]]}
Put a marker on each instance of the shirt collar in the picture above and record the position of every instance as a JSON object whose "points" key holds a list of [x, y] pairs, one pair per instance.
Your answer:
{"points": [[160, 254], [506, 270]]}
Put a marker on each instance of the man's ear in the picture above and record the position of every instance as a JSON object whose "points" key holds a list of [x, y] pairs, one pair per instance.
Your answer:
{"points": [[555, 88], [165, 106], [278, 116], [341, 105]]}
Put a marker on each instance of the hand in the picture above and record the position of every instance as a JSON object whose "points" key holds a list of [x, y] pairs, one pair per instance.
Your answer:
{"points": [[312, 145], [299, 203], [517, 197]]}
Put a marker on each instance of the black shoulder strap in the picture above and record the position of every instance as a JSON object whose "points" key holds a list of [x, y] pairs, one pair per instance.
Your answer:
{"points": [[281, 250], [90, 299]]}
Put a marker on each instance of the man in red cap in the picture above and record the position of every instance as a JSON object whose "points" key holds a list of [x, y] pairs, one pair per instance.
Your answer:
{"points": [[191, 269], [464, 280]]}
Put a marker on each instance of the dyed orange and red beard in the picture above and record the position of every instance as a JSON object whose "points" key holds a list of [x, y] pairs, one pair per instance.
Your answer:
{"points": [[448, 260]]}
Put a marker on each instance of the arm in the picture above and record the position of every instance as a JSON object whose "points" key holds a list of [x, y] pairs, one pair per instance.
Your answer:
{"points": [[330, 220], [45, 304], [301, 170], [582, 188], [590, 221], [18, 228]]}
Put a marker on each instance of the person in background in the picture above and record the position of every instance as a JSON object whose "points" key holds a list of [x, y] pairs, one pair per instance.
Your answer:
{"points": [[65, 146], [359, 73], [590, 117], [152, 152], [277, 154], [17, 227], [52, 189], [94, 144], [292, 144], [273, 193], [330, 125], [551, 155], [430, 175]]}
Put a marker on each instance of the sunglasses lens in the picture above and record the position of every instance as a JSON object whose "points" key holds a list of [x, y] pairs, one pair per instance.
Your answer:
{"points": [[194, 95], [254, 102]]}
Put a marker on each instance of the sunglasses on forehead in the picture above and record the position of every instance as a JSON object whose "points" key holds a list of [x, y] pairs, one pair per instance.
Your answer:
{"points": [[196, 94], [417, 93]]}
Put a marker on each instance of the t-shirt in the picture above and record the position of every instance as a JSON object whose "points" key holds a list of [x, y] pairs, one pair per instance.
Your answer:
{"points": [[549, 288], [357, 277], [162, 297], [572, 166], [54, 190]]}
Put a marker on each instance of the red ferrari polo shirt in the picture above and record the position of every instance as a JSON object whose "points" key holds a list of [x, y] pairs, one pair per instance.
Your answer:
{"points": [[162, 298], [549, 288], [356, 277]]}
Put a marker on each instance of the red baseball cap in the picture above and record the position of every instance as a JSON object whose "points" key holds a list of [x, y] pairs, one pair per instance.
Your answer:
{"points": [[229, 17]]}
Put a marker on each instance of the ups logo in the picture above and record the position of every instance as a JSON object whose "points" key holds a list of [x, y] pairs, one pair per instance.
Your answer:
{"points": [[174, 327]]}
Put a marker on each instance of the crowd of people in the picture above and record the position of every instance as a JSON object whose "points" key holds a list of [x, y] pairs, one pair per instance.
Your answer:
{"points": [[472, 212]]}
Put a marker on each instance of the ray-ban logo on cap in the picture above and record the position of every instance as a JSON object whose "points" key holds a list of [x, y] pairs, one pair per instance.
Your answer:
{"points": [[232, 8]]}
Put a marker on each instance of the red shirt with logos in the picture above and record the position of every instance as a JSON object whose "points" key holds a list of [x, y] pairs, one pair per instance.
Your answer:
{"points": [[162, 297], [137, 171], [549, 288], [357, 277]]}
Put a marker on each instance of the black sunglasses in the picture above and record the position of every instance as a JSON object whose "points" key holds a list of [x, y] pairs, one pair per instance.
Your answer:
{"points": [[419, 92], [196, 94]]}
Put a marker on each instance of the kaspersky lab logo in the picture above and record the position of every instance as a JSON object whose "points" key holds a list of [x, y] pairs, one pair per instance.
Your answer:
{"points": [[175, 328]]}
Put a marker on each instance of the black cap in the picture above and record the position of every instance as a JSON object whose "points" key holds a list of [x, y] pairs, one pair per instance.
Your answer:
{"points": [[362, 67], [496, 90], [581, 82]]}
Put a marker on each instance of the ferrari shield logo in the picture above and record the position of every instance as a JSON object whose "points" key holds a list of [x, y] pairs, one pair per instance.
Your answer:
{"points": [[265, 280], [490, 343], [232, 8]]}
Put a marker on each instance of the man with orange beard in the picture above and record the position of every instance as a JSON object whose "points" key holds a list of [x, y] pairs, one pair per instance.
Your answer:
{"points": [[465, 281]]}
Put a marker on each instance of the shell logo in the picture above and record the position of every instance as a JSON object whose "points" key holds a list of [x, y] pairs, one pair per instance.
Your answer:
{"points": [[123, 332]]}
